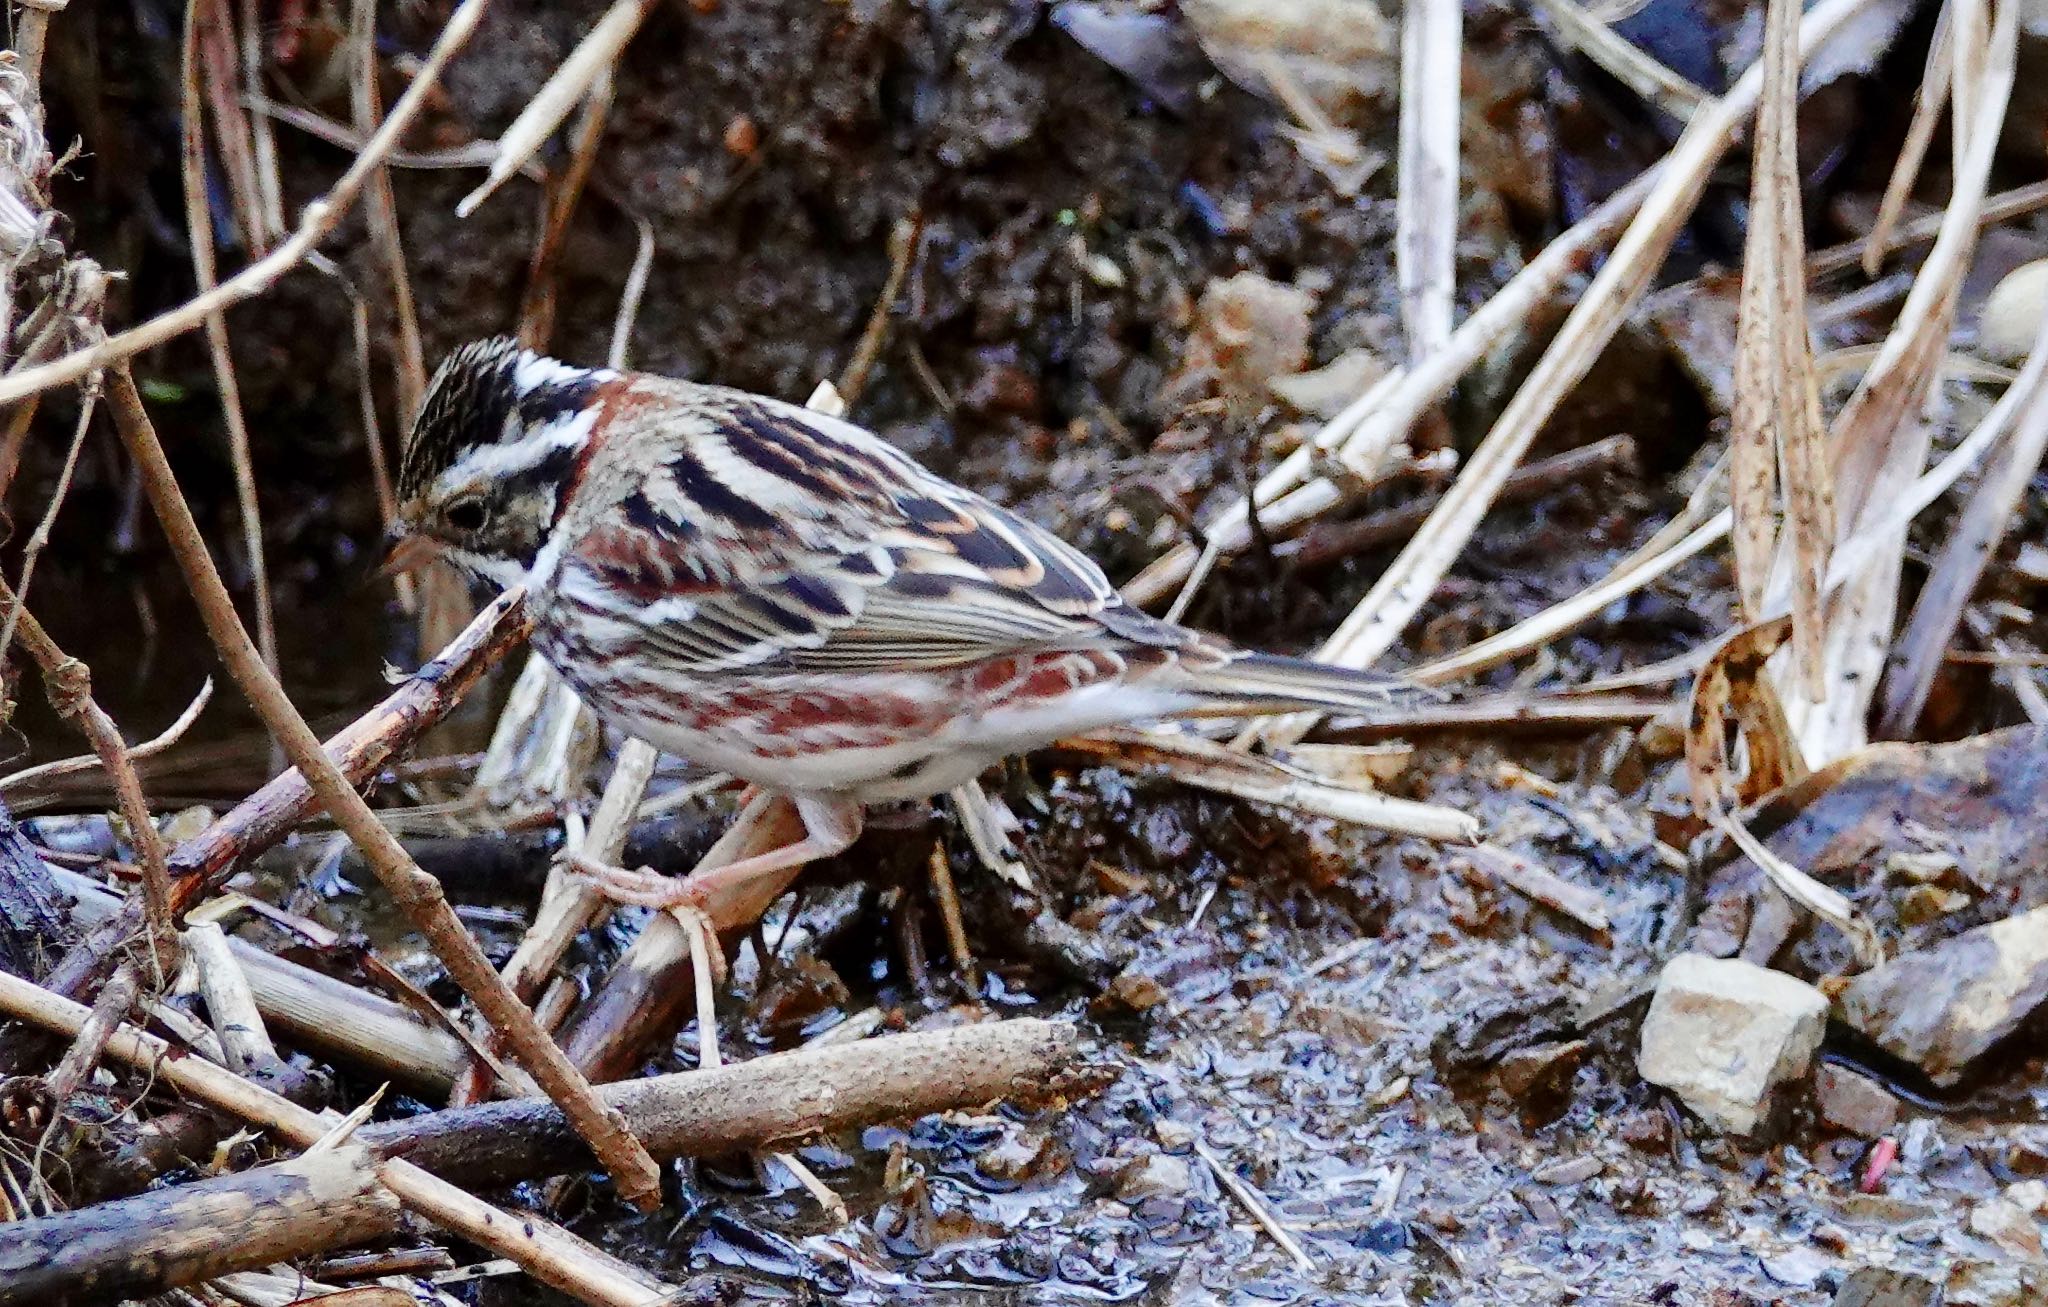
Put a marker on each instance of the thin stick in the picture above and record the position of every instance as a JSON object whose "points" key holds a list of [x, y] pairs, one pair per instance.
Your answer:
{"points": [[821, 1193], [549, 1253], [2002, 207], [1212, 766], [941, 870], [1255, 1203], [703, 986], [903, 238], [199, 234], [629, 298], [109, 1010], [1647, 77], [591, 58], [315, 222], [1330, 543], [633, 1171], [29, 777], [1928, 98], [263, 136]]}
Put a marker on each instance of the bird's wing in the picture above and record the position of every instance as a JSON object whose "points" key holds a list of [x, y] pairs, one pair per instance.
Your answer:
{"points": [[764, 536]]}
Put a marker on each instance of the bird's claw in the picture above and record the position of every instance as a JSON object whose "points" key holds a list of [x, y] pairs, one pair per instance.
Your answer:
{"points": [[646, 888]]}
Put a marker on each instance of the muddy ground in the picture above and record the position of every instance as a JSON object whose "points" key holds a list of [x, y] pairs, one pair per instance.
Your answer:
{"points": [[1430, 1078]]}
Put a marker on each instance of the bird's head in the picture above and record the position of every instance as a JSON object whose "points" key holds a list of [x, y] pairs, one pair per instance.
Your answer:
{"points": [[498, 440]]}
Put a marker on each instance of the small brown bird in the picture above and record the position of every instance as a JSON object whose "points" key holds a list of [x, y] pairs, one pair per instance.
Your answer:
{"points": [[783, 596]]}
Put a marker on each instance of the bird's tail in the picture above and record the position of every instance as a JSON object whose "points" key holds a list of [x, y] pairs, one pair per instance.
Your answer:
{"points": [[1251, 684]]}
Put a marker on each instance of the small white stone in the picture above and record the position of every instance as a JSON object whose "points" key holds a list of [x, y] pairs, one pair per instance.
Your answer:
{"points": [[1723, 1033]]}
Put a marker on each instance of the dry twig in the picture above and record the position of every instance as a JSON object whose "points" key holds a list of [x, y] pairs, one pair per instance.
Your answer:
{"points": [[415, 891]]}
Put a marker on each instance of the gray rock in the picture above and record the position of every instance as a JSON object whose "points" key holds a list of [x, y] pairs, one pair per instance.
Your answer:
{"points": [[1723, 1033], [1941, 1007]]}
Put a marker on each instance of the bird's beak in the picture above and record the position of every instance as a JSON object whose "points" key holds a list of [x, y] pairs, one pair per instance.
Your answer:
{"points": [[407, 553]]}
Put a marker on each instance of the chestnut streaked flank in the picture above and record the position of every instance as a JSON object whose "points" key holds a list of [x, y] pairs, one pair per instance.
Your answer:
{"points": [[783, 596]]}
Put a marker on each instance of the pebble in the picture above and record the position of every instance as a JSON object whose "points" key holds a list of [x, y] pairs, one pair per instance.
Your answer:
{"points": [[1576, 1170], [1155, 1175], [1722, 1034], [1540, 1069]]}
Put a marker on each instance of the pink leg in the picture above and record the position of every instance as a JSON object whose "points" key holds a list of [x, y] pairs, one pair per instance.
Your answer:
{"points": [[725, 894]]}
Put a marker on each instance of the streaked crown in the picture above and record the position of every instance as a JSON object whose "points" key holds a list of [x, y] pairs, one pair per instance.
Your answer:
{"points": [[489, 392]]}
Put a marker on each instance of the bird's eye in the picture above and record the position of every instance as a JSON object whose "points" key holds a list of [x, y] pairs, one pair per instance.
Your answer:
{"points": [[467, 514]]}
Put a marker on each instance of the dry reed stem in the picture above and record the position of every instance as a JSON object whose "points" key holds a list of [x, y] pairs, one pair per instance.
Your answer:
{"points": [[1208, 765], [1776, 437], [263, 136], [1882, 436], [1377, 622], [2002, 207], [1426, 185], [415, 891], [199, 234], [380, 210], [315, 222], [1973, 540], [545, 1251], [591, 59], [230, 1003], [1540, 629]]}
